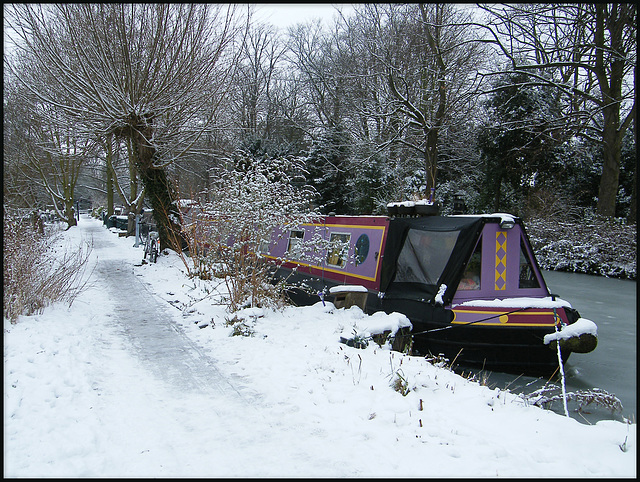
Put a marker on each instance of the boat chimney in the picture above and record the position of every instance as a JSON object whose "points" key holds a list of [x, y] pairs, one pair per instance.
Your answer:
{"points": [[459, 206]]}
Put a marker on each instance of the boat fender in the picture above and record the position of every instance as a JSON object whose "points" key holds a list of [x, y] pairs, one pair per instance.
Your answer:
{"points": [[578, 337], [584, 343]]}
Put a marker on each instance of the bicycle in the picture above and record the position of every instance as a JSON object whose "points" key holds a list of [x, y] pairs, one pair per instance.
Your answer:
{"points": [[151, 241]]}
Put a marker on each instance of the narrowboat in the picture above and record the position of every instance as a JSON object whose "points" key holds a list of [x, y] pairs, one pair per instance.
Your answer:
{"points": [[469, 284]]}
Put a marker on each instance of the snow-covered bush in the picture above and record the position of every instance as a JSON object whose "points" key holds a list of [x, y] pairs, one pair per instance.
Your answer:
{"points": [[230, 235], [591, 245], [97, 212], [549, 394], [36, 273]]}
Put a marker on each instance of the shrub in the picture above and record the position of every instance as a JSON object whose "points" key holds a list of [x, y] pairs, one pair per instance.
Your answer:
{"points": [[545, 396], [35, 273], [400, 384], [591, 245], [97, 212], [228, 237]]}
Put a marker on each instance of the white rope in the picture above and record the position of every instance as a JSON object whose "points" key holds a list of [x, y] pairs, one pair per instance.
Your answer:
{"points": [[564, 388]]}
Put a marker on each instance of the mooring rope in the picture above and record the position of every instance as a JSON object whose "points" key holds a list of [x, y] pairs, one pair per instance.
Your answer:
{"points": [[561, 366], [460, 325]]}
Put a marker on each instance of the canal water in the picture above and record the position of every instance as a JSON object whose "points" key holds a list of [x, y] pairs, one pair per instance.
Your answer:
{"points": [[611, 367]]}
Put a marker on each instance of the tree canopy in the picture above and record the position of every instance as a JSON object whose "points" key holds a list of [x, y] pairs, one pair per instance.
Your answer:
{"points": [[499, 104]]}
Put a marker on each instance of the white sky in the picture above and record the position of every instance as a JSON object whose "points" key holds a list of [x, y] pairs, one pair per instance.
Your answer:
{"points": [[283, 15]]}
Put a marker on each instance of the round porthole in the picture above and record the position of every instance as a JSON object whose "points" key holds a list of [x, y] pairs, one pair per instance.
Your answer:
{"points": [[362, 249]]}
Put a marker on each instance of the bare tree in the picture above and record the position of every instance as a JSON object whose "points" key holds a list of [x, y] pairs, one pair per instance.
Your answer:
{"points": [[315, 55], [432, 79], [44, 156], [256, 77], [398, 78], [18, 190], [588, 53], [149, 73], [57, 154]]}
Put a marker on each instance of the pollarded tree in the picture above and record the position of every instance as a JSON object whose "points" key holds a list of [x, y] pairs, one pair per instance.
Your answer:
{"points": [[152, 74]]}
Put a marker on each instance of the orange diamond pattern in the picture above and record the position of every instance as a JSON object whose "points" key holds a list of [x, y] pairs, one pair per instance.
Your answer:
{"points": [[501, 260]]}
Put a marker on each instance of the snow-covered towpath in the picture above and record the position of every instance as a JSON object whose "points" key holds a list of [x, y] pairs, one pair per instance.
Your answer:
{"points": [[124, 384], [151, 331]]}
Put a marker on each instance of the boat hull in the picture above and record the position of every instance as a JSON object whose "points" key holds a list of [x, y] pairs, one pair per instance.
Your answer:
{"points": [[506, 339], [514, 345], [510, 350]]}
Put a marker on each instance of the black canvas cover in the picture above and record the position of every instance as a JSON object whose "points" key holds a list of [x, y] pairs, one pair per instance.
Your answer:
{"points": [[421, 254]]}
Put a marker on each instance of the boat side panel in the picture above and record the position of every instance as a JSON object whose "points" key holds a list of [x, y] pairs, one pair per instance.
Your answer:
{"points": [[509, 317], [364, 271], [500, 267]]}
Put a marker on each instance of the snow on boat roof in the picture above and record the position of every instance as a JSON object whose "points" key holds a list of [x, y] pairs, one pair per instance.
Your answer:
{"points": [[520, 302], [503, 216], [410, 204], [348, 288]]}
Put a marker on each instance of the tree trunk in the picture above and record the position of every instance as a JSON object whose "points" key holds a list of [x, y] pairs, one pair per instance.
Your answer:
{"points": [[608, 35], [69, 213], [631, 219], [608, 189], [496, 195], [434, 40], [132, 205], [109, 191], [110, 175], [157, 187], [431, 160]]}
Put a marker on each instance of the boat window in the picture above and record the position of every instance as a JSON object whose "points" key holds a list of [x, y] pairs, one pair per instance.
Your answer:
{"points": [[294, 246], [338, 249], [362, 249], [471, 277], [527, 275], [424, 256], [263, 247]]}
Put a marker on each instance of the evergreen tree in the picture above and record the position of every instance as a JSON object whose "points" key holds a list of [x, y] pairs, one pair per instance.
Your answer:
{"points": [[328, 167], [516, 144]]}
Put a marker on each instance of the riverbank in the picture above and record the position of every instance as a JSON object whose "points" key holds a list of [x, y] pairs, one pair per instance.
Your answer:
{"points": [[596, 246]]}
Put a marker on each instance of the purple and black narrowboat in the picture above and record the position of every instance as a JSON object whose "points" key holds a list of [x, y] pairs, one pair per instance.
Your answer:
{"points": [[469, 284]]}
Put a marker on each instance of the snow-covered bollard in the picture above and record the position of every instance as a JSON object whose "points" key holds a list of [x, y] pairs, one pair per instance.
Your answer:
{"points": [[578, 337], [347, 296], [392, 329]]}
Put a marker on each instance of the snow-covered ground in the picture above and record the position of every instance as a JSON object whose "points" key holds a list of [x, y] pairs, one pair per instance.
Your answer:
{"points": [[82, 398]]}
